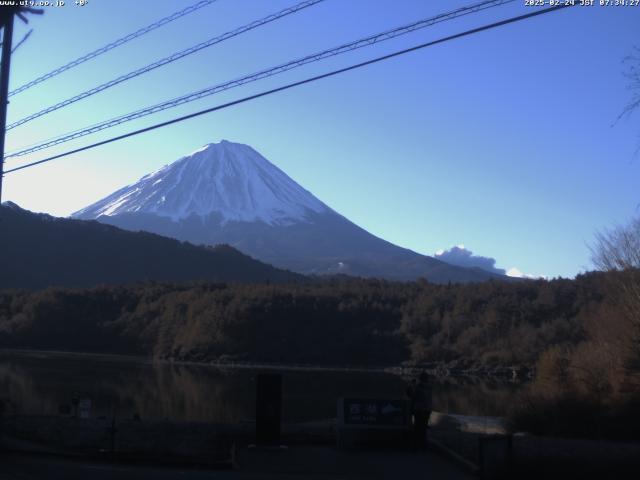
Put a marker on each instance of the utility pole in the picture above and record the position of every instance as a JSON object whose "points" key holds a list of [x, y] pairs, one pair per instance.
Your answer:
{"points": [[5, 66], [7, 14]]}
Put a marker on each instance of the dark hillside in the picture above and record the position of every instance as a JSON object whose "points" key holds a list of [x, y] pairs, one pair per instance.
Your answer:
{"points": [[39, 251]]}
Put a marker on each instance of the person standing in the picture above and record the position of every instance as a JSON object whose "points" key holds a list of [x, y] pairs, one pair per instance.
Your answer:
{"points": [[419, 393]]}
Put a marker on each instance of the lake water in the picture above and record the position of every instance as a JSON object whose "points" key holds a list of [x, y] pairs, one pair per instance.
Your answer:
{"points": [[39, 382]]}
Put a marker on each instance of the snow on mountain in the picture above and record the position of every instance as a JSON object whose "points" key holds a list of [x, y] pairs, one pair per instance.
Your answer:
{"points": [[225, 178]]}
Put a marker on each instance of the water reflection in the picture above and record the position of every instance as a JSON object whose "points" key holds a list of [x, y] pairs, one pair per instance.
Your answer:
{"points": [[38, 383]]}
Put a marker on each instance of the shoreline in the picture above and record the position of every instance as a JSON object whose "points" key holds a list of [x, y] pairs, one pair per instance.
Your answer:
{"points": [[438, 370]]}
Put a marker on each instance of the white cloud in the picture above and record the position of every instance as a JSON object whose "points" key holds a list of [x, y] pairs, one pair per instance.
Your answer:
{"points": [[462, 257], [515, 272]]}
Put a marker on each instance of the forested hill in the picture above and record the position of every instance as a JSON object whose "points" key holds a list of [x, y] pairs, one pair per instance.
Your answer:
{"points": [[38, 251], [339, 322]]}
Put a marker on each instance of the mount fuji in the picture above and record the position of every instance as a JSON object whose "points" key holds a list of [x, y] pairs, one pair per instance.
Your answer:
{"points": [[228, 193]]}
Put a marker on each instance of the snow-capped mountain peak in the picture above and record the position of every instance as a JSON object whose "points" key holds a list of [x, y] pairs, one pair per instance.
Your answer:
{"points": [[227, 193], [229, 179]]}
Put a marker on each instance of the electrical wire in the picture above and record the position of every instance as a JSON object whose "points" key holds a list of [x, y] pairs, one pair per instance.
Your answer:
{"points": [[535, 13], [364, 42], [24, 39], [167, 60], [110, 46]]}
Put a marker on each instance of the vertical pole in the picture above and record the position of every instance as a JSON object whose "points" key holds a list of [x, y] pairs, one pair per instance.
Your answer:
{"points": [[7, 37]]}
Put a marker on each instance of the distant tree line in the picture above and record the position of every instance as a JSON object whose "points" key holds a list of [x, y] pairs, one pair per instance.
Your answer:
{"points": [[579, 336], [332, 321]]}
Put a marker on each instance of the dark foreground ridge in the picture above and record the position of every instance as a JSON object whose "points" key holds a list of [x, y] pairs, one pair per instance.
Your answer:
{"points": [[38, 251]]}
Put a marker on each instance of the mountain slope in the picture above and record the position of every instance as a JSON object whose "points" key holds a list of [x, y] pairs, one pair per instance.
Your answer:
{"points": [[37, 251], [228, 193], [232, 180]]}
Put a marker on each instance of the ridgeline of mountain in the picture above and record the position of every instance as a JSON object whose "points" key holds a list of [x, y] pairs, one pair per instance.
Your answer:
{"points": [[38, 251], [228, 193]]}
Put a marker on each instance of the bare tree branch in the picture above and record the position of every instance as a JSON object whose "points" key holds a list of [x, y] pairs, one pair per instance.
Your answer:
{"points": [[619, 249]]}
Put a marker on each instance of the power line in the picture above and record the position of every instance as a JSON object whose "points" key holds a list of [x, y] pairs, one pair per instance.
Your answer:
{"points": [[24, 39], [364, 42], [114, 44], [295, 84], [167, 60]]}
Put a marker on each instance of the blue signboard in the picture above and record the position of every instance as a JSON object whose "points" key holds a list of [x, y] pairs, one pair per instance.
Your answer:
{"points": [[374, 412]]}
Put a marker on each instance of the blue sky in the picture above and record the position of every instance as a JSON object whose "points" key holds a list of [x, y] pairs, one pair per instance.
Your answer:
{"points": [[503, 141]]}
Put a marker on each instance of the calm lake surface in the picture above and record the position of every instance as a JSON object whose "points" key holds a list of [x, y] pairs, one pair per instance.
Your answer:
{"points": [[39, 382]]}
